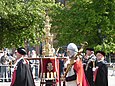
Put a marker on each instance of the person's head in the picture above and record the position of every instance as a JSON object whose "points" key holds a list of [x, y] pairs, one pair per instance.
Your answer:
{"points": [[89, 51], [33, 52], [100, 55], [71, 49], [5, 53], [20, 52]]}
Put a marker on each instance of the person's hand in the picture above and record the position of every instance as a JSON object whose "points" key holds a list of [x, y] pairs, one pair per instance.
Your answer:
{"points": [[62, 78], [72, 62], [94, 69]]}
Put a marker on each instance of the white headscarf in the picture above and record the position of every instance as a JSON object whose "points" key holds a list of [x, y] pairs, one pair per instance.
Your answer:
{"points": [[72, 48]]}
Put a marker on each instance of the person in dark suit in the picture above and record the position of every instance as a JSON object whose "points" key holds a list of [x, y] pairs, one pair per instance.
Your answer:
{"points": [[88, 64], [22, 75], [101, 73]]}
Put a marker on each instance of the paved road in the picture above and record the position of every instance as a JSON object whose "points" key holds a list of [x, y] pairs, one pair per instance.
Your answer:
{"points": [[37, 83], [111, 80]]}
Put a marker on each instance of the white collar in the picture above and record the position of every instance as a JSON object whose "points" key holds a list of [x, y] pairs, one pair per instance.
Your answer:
{"points": [[18, 61], [100, 60]]}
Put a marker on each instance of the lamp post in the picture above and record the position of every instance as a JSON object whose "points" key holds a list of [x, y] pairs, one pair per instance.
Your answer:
{"points": [[102, 37], [102, 40], [99, 34]]}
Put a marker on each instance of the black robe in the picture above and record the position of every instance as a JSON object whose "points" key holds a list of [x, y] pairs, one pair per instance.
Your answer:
{"points": [[102, 74], [23, 75], [88, 72]]}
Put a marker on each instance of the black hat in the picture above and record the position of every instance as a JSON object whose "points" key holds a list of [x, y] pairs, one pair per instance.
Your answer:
{"points": [[90, 49], [101, 52], [21, 51]]}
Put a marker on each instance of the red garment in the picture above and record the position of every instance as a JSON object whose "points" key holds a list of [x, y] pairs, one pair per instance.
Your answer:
{"points": [[13, 77], [95, 74], [81, 78]]}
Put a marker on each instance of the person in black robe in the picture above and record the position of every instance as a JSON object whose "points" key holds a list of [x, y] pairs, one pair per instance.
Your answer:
{"points": [[22, 75], [101, 73], [88, 65]]}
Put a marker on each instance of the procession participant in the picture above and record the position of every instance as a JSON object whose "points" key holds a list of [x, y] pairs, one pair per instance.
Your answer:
{"points": [[22, 75], [75, 75], [89, 64], [101, 73]]}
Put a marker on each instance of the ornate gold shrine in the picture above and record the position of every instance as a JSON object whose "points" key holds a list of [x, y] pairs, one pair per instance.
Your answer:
{"points": [[47, 39]]}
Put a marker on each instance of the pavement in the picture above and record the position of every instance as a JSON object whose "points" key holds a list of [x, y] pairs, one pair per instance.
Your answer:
{"points": [[111, 79], [37, 83]]}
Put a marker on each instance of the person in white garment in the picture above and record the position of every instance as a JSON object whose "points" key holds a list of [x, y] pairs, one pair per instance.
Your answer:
{"points": [[75, 76], [71, 75]]}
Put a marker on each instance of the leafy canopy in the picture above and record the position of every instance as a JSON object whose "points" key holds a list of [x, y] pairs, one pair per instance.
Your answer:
{"points": [[86, 20], [22, 21]]}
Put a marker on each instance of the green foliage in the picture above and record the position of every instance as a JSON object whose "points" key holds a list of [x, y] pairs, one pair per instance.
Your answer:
{"points": [[22, 21], [107, 46], [86, 20]]}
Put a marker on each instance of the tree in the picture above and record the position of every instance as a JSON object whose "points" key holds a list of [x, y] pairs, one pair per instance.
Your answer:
{"points": [[22, 21], [86, 20]]}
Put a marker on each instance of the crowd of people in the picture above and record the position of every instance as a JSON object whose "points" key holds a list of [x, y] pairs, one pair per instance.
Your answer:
{"points": [[89, 69]]}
